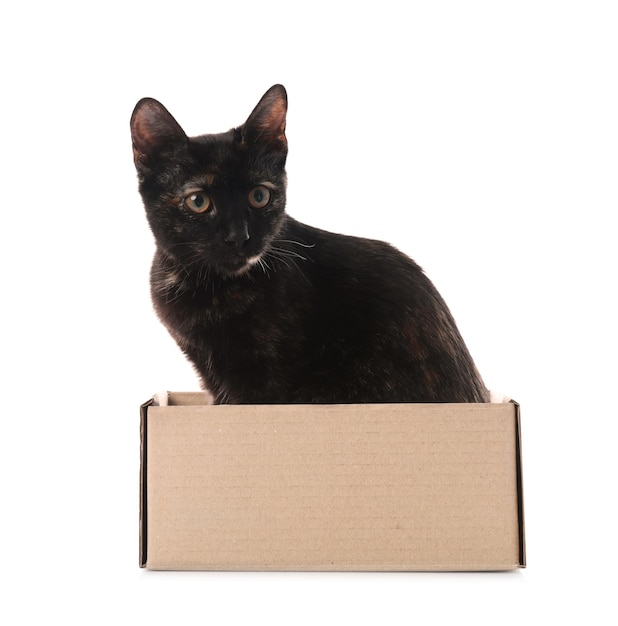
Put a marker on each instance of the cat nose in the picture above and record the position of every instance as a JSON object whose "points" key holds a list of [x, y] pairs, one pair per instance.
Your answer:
{"points": [[237, 237]]}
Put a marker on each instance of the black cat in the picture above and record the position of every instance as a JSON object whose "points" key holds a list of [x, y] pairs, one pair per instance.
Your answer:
{"points": [[267, 309]]}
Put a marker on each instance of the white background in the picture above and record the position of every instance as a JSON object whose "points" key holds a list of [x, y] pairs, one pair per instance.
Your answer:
{"points": [[481, 138]]}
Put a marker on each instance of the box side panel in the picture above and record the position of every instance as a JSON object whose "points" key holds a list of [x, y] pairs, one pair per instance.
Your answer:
{"points": [[187, 398], [371, 487]]}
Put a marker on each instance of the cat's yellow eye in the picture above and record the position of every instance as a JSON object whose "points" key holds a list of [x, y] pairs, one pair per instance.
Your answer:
{"points": [[197, 202], [259, 197]]}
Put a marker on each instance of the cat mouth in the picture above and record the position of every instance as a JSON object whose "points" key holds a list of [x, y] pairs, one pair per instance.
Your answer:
{"points": [[242, 264], [250, 262]]}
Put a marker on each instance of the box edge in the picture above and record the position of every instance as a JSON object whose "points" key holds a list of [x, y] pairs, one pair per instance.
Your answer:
{"points": [[520, 486], [143, 509]]}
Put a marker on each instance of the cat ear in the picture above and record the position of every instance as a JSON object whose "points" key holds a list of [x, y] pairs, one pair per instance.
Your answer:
{"points": [[266, 124], [155, 133]]}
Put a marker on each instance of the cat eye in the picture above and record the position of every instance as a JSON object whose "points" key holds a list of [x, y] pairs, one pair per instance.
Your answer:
{"points": [[259, 197], [197, 202]]}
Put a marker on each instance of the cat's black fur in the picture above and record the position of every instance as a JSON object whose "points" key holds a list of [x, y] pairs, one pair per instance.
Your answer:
{"points": [[270, 310]]}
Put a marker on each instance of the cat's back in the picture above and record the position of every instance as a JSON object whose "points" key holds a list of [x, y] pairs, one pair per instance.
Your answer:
{"points": [[380, 320], [355, 266]]}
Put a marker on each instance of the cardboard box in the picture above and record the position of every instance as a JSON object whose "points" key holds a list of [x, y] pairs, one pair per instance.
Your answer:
{"points": [[393, 487]]}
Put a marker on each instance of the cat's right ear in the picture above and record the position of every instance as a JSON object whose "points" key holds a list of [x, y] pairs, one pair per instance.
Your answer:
{"points": [[155, 134]]}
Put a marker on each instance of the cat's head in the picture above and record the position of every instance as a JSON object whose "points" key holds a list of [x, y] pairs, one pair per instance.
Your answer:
{"points": [[214, 201]]}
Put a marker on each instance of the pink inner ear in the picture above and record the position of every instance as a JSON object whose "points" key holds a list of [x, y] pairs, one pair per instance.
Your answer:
{"points": [[275, 121], [144, 137], [149, 129]]}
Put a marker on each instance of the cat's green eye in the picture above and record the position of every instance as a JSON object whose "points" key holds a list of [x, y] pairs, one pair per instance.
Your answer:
{"points": [[197, 202], [259, 197]]}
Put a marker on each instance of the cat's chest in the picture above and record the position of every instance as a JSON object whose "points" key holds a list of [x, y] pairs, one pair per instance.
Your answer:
{"points": [[196, 304]]}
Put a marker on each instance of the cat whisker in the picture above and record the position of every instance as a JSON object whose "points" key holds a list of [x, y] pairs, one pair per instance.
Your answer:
{"points": [[278, 255], [174, 291], [263, 266], [288, 253], [297, 243]]}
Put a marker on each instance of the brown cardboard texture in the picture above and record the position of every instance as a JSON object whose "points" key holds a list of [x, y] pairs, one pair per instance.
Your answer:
{"points": [[392, 487]]}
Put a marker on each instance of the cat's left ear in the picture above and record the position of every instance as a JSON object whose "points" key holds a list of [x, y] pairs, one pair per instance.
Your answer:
{"points": [[266, 124], [155, 133]]}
